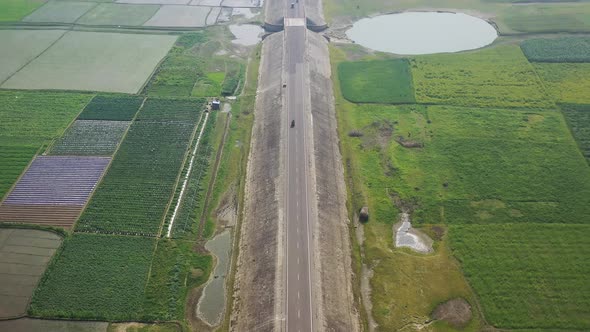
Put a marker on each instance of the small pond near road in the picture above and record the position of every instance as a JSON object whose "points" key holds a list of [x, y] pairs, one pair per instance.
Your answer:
{"points": [[246, 34], [412, 33]]}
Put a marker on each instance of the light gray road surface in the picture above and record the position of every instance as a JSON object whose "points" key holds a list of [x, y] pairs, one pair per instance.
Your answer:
{"points": [[299, 307]]}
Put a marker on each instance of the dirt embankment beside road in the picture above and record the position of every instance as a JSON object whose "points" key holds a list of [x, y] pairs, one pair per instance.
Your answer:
{"points": [[332, 240], [258, 283]]}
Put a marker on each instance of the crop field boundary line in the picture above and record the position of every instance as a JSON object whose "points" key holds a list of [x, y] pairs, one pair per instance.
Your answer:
{"points": [[193, 154], [34, 58], [218, 157], [107, 168]]}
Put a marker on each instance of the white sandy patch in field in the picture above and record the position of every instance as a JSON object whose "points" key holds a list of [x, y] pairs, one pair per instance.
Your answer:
{"points": [[406, 236], [94, 61], [18, 47], [180, 16]]}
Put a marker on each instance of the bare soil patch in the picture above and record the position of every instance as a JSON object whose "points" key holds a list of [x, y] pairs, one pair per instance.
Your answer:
{"points": [[456, 312]]}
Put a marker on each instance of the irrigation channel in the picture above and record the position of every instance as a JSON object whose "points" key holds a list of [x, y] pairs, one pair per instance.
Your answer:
{"points": [[187, 176]]}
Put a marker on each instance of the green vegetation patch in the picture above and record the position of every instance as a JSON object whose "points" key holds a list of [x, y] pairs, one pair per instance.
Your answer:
{"points": [[32, 118], [15, 10], [180, 70], [116, 108], [566, 82], [563, 17], [119, 14], [134, 194], [60, 12], [91, 138], [566, 49], [95, 277], [176, 267], [209, 85], [497, 77], [578, 118], [13, 160], [379, 81], [528, 275], [94, 61], [235, 72]]}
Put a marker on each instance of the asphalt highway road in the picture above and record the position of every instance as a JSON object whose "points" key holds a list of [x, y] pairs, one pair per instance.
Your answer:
{"points": [[299, 308]]}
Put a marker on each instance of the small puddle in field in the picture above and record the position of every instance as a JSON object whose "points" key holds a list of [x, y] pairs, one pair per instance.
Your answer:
{"points": [[412, 33], [212, 302], [406, 236], [246, 34]]}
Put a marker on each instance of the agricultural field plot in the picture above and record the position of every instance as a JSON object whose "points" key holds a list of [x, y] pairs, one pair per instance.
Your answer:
{"points": [[15, 10], [91, 138], [566, 82], [24, 255], [180, 70], [34, 118], [380, 81], [53, 190], [96, 277], [134, 194], [155, 2], [84, 61], [578, 118], [13, 161], [209, 85], [550, 18], [528, 276], [565, 49], [18, 47], [113, 108], [60, 12], [497, 77], [118, 14], [180, 16]]}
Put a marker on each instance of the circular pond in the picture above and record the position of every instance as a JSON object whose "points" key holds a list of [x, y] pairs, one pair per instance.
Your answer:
{"points": [[422, 33]]}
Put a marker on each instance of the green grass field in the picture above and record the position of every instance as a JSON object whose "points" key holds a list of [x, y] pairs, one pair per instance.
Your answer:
{"points": [[119, 14], [96, 277], [94, 61], [15, 10], [545, 18], [114, 108], [539, 279], [209, 85], [566, 82], [13, 160], [578, 118], [134, 194], [496, 77], [91, 138], [380, 81], [565, 49]]}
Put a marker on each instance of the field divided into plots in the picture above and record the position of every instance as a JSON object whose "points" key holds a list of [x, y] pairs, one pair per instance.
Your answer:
{"points": [[496, 77], [134, 194], [53, 190], [91, 138], [115, 108]]}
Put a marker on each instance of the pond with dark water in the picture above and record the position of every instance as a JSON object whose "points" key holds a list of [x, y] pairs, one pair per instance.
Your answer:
{"points": [[413, 33]]}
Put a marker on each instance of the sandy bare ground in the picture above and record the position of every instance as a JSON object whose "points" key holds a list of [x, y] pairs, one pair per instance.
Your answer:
{"points": [[257, 289]]}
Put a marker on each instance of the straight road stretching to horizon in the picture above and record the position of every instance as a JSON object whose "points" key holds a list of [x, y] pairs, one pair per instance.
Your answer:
{"points": [[299, 307]]}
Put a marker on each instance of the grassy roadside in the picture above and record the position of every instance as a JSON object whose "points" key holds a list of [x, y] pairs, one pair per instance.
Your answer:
{"points": [[406, 287]]}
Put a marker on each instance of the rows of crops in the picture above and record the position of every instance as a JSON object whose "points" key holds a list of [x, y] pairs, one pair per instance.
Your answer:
{"points": [[13, 160], [567, 49], [91, 137], [528, 275], [134, 194], [115, 108]]}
